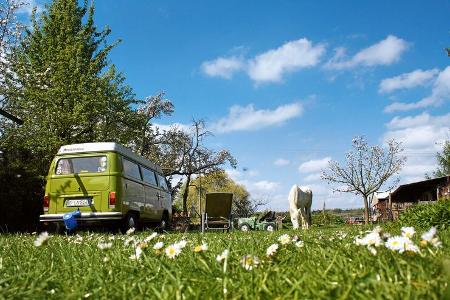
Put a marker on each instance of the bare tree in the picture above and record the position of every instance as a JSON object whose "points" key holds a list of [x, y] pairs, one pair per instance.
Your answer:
{"points": [[190, 156], [366, 170]]}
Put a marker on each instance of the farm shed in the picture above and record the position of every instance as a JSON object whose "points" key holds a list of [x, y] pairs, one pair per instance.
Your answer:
{"points": [[409, 194]]}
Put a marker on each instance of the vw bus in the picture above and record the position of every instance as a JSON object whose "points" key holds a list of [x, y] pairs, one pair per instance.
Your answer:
{"points": [[106, 182]]}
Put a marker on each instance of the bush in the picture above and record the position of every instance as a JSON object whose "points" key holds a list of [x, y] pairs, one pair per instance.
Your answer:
{"points": [[326, 218], [427, 215]]}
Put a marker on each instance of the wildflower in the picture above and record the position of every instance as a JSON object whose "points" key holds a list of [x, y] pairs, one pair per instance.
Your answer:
{"points": [[399, 243], [150, 237], [372, 250], [129, 241], [137, 253], [284, 239], [223, 256], [104, 246], [78, 239], [130, 231], [411, 248], [172, 251], [408, 232], [371, 239], [272, 250], [201, 248], [87, 295], [41, 239], [430, 237], [157, 247], [181, 244], [249, 262], [105, 259], [295, 238], [299, 244]]}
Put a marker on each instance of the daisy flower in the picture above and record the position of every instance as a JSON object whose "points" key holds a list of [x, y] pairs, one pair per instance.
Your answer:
{"points": [[130, 231], [201, 248], [181, 244], [397, 243], [223, 256], [150, 237], [41, 239], [249, 262], [272, 250], [158, 246], [284, 239], [408, 232], [299, 244], [137, 253], [172, 251], [104, 246]]}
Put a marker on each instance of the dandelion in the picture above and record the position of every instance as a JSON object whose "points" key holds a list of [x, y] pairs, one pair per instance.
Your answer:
{"points": [[130, 231], [104, 246], [41, 239], [299, 244], [249, 262], [272, 250], [150, 237], [173, 251], [408, 232], [223, 255], [284, 239], [201, 248]]}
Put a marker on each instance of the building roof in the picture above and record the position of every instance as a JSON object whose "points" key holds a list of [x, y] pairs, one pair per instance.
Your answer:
{"points": [[408, 192], [107, 147]]}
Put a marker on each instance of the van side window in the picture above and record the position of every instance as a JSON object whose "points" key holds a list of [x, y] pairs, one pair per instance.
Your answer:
{"points": [[162, 182], [149, 176], [130, 169]]}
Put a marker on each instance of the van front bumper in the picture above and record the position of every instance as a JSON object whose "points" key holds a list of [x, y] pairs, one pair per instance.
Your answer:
{"points": [[85, 216]]}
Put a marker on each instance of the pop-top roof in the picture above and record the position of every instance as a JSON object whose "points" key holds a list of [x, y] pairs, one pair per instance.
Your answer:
{"points": [[107, 147]]}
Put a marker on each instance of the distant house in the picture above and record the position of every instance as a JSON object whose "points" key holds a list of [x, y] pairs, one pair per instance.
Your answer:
{"points": [[406, 195]]}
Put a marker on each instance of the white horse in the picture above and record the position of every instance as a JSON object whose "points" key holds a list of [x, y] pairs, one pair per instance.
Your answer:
{"points": [[300, 205]]}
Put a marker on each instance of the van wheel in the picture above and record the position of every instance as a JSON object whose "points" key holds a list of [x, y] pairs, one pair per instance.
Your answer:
{"points": [[164, 223], [244, 227], [130, 221], [269, 227]]}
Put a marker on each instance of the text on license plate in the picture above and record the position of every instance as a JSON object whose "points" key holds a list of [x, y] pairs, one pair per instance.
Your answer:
{"points": [[78, 202]]}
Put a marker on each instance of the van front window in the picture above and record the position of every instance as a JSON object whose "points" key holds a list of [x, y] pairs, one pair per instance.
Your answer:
{"points": [[76, 165]]}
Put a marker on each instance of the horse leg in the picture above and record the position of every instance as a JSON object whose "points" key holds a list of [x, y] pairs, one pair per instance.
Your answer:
{"points": [[294, 218], [303, 215]]}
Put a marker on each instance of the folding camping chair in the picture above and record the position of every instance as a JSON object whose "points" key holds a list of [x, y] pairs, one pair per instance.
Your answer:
{"points": [[217, 215]]}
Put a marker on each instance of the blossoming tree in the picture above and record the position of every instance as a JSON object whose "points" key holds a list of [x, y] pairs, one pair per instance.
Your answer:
{"points": [[367, 168]]}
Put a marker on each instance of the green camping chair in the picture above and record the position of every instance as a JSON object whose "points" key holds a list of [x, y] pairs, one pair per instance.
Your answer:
{"points": [[217, 215]]}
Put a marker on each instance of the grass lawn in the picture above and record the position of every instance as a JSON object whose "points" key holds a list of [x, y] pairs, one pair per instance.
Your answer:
{"points": [[325, 264]]}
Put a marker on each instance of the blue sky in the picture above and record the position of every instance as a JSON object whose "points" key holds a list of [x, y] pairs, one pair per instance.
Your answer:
{"points": [[285, 85]]}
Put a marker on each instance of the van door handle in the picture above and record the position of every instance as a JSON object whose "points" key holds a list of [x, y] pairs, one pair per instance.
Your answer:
{"points": [[126, 185]]}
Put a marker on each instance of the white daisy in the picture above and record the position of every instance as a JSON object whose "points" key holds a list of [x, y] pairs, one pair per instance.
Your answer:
{"points": [[272, 250], [104, 246], [299, 244], [201, 248], [223, 256], [408, 232], [284, 239], [172, 251], [249, 262], [158, 246], [150, 237], [42, 239], [130, 231]]}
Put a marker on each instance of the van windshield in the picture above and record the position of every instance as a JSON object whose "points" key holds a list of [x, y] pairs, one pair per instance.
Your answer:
{"points": [[76, 165]]}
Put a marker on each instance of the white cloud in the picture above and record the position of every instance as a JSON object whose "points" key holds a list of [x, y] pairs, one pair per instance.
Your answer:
{"points": [[223, 67], [439, 93], [313, 166], [269, 66], [407, 80], [247, 118], [265, 186], [422, 136], [291, 56], [385, 52], [280, 162]]}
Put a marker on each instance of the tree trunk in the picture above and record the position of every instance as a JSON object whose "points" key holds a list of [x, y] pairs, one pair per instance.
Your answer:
{"points": [[186, 194], [366, 210]]}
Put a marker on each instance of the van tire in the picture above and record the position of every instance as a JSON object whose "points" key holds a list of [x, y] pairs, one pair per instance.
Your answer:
{"points": [[130, 221], [164, 224]]}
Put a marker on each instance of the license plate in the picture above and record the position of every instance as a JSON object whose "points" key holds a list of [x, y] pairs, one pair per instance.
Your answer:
{"points": [[78, 202]]}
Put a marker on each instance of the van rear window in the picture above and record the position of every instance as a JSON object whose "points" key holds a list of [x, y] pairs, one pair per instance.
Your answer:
{"points": [[76, 165]]}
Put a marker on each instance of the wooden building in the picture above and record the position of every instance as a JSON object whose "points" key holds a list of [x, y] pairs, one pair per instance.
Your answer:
{"points": [[389, 205]]}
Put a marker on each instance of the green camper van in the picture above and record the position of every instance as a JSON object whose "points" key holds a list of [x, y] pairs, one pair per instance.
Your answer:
{"points": [[106, 182]]}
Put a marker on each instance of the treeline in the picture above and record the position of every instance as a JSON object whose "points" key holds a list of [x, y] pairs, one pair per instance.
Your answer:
{"points": [[56, 76]]}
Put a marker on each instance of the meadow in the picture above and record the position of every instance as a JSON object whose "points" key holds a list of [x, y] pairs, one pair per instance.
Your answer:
{"points": [[321, 263]]}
